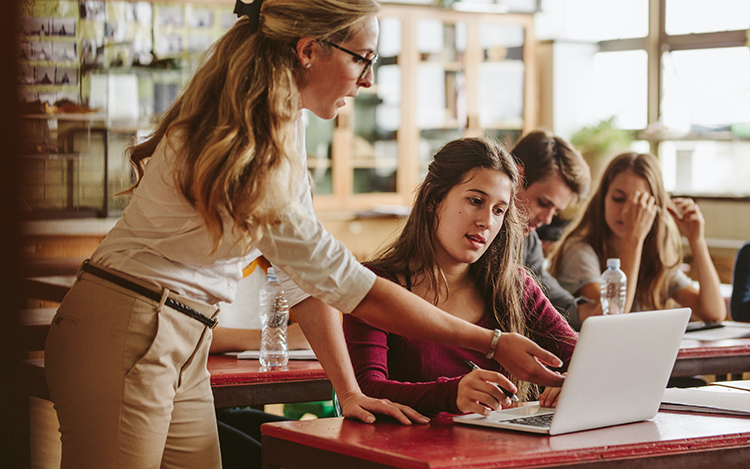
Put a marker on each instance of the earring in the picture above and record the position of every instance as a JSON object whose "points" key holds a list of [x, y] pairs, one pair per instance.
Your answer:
{"points": [[308, 65]]}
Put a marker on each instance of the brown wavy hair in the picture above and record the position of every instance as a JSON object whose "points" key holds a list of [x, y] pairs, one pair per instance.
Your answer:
{"points": [[232, 127], [662, 252], [497, 273], [542, 154]]}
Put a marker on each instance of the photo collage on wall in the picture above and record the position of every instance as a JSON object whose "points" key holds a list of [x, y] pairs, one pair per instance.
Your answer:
{"points": [[50, 67], [65, 41]]}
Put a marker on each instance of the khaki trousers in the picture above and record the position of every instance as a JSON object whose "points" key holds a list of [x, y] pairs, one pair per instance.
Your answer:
{"points": [[128, 379]]}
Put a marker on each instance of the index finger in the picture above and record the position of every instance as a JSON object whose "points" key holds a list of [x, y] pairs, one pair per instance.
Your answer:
{"points": [[545, 356]]}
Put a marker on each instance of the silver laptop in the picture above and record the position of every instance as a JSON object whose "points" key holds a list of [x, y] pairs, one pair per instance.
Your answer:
{"points": [[617, 374]]}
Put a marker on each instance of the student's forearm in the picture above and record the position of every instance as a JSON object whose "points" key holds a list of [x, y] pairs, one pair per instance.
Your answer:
{"points": [[712, 303], [394, 309], [322, 327], [630, 263]]}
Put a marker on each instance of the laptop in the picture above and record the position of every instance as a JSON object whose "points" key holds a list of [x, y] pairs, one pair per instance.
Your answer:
{"points": [[617, 374]]}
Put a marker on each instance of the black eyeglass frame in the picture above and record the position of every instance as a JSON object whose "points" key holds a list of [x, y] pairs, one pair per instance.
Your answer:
{"points": [[369, 63]]}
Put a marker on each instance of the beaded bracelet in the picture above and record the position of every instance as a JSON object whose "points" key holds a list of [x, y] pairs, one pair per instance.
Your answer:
{"points": [[493, 344]]}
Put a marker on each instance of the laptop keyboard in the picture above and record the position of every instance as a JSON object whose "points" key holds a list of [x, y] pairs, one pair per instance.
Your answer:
{"points": [[534, 420]]}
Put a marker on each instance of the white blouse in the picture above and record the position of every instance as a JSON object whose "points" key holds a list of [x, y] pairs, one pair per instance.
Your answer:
{"points": [[161, 238]]}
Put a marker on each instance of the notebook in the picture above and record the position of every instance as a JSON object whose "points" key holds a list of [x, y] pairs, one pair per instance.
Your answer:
{"points": [[617, 374]]}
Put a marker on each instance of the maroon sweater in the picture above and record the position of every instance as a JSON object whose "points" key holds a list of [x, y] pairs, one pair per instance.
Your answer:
{"points": [[425, 375]]}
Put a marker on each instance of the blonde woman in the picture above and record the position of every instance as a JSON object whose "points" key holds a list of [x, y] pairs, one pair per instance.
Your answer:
{"points": [[633, 218], [221, 181]]}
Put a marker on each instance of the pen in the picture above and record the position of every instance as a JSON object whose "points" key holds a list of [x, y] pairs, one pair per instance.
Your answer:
{"points": [[511, 395]]}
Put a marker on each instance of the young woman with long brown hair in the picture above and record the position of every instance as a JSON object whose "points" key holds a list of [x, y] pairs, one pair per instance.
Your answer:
{"points": [[461, 250], [632, 217]]}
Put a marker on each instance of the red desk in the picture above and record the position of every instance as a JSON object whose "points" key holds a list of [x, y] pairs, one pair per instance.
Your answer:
{"points": [[242, 382], [234, 382], [715, 357], [670, 440]]}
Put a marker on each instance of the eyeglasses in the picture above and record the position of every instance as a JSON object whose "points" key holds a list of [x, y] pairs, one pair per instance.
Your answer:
{"points": [[358, 59]]}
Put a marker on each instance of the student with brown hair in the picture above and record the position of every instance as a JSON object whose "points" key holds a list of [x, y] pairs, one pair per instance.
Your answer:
{"points": [[461, 250], [554, 174], [632, 217]]}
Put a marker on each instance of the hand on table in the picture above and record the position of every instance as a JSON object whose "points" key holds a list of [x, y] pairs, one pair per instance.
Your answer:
{"points": [[549, 396], [358, 406], [477, 394], [526, 360], [689, 219]]}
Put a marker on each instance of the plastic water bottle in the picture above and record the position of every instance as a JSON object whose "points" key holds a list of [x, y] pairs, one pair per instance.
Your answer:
{"points": [[613, 288], [274, 315]]}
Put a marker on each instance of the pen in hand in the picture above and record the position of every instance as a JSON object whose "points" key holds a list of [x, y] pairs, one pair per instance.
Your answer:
{"points": [[511, 395]]}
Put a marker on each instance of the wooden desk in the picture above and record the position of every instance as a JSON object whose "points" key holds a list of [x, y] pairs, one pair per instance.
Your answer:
{"points": [[234, 382], [242, 382], [49, 288], [715, 357], [670, 440]]}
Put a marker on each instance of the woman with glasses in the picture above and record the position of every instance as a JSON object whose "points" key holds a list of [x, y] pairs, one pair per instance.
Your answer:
{"points": [[220, 182]]}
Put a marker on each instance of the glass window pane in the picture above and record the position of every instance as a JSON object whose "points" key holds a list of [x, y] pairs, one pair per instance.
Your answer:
{"points": [[318, 137], [706, 88], [700, 16], [389, 44], [620, 88], [438, 41], [501, 89], [592, 20], [377, 117], [440, 74], [430, 142], [718, 168]]}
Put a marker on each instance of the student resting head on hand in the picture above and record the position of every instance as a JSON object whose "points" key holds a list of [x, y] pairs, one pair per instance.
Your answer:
{"points": [[632, 217]]}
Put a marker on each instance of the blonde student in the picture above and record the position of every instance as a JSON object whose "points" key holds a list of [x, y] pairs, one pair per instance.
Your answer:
{"points": [[461, 250], [632, 217], [220, 182]]}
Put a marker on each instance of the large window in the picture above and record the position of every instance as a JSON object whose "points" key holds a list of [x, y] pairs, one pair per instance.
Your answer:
{"points": [[675, 71]]}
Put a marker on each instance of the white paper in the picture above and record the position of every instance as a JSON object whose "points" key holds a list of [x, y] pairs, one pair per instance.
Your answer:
{"points": [[305, 354], [731, 330], [706, 400]]}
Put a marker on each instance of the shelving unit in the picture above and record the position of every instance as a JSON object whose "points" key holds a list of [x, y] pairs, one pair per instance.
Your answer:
{"points": [[68, 165], [442, 75]]}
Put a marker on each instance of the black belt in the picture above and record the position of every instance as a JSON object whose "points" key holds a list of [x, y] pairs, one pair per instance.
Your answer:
{"points": [[150, 294]]}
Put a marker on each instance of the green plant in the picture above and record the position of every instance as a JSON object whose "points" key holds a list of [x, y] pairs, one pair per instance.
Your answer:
{"points": [[601, 141]]}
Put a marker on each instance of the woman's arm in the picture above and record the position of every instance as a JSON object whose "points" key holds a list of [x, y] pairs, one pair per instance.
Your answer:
{"points": [[369, 351], [546, 325], [322, 326], [638, 215], [390, 307], [454, 391], [708, 304]]}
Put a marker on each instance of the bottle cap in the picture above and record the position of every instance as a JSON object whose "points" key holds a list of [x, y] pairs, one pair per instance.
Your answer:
{"points": [[272, 273], [613, 263]]}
